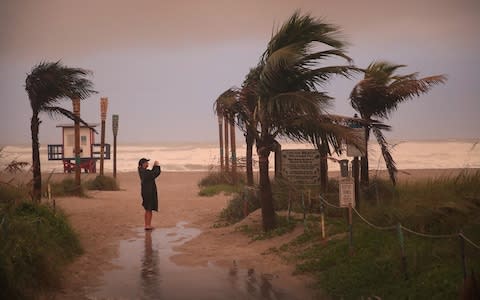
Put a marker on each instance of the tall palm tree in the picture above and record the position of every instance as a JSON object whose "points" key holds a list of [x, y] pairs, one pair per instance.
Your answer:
{"points": [[378, 95], [47, 84], [288, 102]]}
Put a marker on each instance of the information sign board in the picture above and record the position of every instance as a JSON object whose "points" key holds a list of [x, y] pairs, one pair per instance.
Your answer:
{"points": [[301, 166]]}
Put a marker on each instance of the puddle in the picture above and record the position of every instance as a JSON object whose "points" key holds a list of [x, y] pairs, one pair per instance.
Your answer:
{"points": [[144, 271]]}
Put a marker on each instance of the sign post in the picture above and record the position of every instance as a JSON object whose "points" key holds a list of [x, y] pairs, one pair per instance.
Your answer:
{"points": [[115, 132], [355, 152], [103, 114], [347, 192], [76, 112], [347, 199]]}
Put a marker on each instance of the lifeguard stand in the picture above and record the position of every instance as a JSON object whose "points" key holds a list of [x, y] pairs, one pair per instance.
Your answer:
{"points": [[89, 151]]}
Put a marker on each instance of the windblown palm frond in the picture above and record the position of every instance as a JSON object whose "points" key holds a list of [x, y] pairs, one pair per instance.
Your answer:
{"points": [[303, 31], [55, 111], [387, 156], [380, 92], [227, 103], [49, 82], [378, 95]]}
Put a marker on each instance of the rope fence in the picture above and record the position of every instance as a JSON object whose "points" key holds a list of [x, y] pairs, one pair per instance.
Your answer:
{"points": [[393, 227], [399, 229]]}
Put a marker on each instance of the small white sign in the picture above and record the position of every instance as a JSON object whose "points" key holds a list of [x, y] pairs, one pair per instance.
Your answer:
{"points": [[347, 193]]}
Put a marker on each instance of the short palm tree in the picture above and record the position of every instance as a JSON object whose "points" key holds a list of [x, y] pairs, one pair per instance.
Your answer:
{"points": [[378, 95], [239, 104], [227, 106], [287, 101], [47, 84], [248, 101]]}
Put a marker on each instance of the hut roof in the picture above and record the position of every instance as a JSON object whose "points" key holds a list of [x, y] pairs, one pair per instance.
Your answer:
{"points": [[81, 125]]}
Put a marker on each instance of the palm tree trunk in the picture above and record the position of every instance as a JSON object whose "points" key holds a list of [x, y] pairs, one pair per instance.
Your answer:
{"points": [[234, 151], [37, 174], [220, 138], [323, 169], [266, 197], [225, 132], [364, 178], [249, 140]]}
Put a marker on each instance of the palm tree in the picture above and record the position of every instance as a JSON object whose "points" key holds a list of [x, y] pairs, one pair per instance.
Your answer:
{"points": [[241, 103], [378, 95], [248, 101], [227, 106], [46, 85], [287, 100]]}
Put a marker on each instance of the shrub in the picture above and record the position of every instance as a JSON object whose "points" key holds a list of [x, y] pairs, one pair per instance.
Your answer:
{"points": [[103, 183], [66, 187], [217, 182], [10, 193], [35, 244], [216, 178], [217, 189], [235, 210]]}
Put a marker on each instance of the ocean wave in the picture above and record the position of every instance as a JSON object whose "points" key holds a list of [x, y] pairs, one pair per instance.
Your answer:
{"points": [[203, 156]]}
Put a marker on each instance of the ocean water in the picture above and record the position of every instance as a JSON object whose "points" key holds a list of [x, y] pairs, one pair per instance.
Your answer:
{"points": [[192, 157]]}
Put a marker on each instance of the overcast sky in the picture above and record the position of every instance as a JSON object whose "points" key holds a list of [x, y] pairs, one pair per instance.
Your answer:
{"points": [[163, 63]]}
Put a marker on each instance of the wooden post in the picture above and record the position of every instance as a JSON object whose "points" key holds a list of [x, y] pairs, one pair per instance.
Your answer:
{"points": [[462, 256], [225, 131], [402, 250], [220, 138], [356, 175], [103, 114], [246, 195], [289, 208], [322, 219], [350, 228], [115, 132], [304, 208], [76, 112], [234, 152], [278, 160], [310, 202]]}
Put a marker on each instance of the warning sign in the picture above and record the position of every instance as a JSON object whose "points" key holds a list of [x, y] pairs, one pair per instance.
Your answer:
{"points": [[347, 193], [301, 166]]}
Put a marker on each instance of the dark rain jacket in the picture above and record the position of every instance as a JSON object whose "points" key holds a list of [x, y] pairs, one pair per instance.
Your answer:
{"points": [[149, 188]]}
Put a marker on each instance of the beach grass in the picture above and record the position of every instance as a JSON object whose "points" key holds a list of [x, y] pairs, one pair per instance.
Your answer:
{"points": [[65, 187], [102, 183], [36, 242], [437, 209], [220, 182]]}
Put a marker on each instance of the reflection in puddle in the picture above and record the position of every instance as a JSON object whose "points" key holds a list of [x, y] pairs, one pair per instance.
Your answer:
{"points": [[145, 271]]}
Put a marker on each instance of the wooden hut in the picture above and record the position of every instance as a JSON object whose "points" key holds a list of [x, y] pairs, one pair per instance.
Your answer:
{"points": [[89, 150]]}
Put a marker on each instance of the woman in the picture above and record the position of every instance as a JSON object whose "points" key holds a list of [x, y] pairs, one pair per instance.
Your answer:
{"points": [[149, 189]]}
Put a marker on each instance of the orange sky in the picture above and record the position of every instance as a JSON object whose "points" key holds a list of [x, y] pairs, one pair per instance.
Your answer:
{"points": [[178, 56]]}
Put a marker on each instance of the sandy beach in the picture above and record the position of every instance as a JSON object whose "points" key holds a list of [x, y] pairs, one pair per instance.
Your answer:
{"points": [[105, 218]]}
